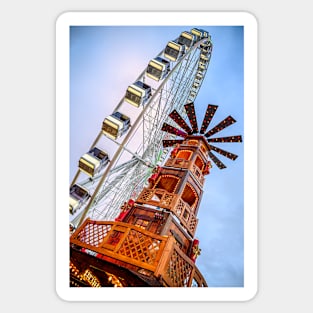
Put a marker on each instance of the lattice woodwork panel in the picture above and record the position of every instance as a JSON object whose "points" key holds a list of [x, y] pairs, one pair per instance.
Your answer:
{"points": [[192, 223], [145, 195], [178, 270], [167, 199], [186, 216], [197, 173], [179, 208], [140, 247], [93, 234]]}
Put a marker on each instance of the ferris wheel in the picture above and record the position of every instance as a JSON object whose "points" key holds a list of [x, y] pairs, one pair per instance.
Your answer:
{"points": [[105, 180]]}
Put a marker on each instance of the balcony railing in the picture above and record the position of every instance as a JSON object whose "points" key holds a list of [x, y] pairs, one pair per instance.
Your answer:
{"points": [[160, 255], [121, 241], [181, 163], [172, 202], [177, 270]]}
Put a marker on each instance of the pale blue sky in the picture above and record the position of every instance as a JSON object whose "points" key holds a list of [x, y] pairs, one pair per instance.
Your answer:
{"points": [[105, 60]]}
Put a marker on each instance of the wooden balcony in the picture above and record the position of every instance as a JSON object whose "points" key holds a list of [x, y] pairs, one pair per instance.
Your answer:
{"points": [[172, 202], [131, 247], [197, 173], [186, 164]]}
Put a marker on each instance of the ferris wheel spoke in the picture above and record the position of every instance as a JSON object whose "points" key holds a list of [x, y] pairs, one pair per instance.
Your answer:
{"points": [[124, 188], [113, 193], [89, 182], [112, 183]]}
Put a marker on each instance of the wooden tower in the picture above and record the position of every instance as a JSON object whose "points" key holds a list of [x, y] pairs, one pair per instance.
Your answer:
{"points": [[152, 241]]}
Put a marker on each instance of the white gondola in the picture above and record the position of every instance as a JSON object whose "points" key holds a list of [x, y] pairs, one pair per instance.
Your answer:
{"points": [[93, 162], [199, 77], [187, 39], [115, 125], [206, 47], [201, 67], [78, 196], [195, 86], [174, 51], [203, 58], [158, 68], [200, 33], [193, 94], [138, 93]]}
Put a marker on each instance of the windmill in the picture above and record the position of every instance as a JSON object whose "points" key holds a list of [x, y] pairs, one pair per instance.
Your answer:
{"points": [[193, 130]]}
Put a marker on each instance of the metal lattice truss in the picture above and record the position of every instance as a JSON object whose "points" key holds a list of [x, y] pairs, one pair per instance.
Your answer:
{"points": [[142, 149]]}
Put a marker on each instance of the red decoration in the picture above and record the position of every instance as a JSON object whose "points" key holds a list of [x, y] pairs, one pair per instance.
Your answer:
{"points": [[131, 203], [175, 151], [180, 133], [155, 175], [195, 250], [207, 168], [121, 216], [125, 209]]}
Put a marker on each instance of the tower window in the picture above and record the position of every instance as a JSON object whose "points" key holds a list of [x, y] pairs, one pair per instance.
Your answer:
{"points": [[204, 149], [184, 154], [167, 182], [142, 223], [193, 142], [190, 196], [199, 162]]}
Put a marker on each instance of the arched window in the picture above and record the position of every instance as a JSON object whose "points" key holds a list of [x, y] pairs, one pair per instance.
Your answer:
{"points": [[193, 142], [184, 154], [167, 182], [190, 196], [199, 162], [204, 149]]}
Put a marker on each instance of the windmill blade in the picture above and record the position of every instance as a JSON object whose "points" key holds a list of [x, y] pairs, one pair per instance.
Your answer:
{"points": [[180, 121], [226, 139], [171, 143], [223, 124], [227, 154], [173, 130], [210, 111], [219, 164], [190, 109]]}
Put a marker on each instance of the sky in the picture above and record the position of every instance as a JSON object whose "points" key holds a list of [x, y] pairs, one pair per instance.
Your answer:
{"points": [[105, 60]]}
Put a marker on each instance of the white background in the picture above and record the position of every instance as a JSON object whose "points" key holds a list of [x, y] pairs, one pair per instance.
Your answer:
{"points": [[27, 127]]}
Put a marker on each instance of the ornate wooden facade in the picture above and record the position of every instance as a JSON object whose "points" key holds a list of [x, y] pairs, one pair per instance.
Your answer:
{"points": [[151, 242]]}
